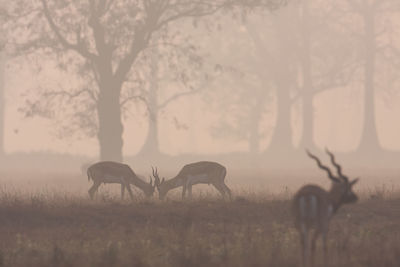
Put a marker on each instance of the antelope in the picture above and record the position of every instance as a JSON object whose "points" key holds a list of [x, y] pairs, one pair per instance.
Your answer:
{"points": [[203, 172], [108, 172], [314, 207]]}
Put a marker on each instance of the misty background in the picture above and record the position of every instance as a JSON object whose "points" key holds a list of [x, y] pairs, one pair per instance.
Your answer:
{"points": [[250, 84]]}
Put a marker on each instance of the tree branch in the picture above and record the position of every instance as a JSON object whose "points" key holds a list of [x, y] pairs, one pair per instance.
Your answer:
{"points": [[134, 97], [140, 42], [182, 94], [98, 30], [194, 11], [331, 84], [70, 95], [78, 47]]}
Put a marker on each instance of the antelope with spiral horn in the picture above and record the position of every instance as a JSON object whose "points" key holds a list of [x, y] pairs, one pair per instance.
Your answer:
{"points": [[314, 207], [203, 172], [108, 172]]}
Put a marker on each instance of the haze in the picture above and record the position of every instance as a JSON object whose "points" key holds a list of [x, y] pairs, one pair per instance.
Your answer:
{"points": [[250, 86]]}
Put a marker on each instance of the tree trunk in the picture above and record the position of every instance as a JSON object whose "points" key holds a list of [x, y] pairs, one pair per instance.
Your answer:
{"points": [[151, 145], [110, 124], [307, 140], [2, 103], [284, 75], [263, 73], [255, 119], [281, 140], [308, 122], [369, 139]]}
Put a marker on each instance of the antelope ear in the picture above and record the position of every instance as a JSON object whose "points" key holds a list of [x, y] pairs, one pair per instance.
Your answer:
{"points": [[354, 181]]}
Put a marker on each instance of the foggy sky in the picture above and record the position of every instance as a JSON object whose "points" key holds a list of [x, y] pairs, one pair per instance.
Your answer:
{"points": [[338, 115]]}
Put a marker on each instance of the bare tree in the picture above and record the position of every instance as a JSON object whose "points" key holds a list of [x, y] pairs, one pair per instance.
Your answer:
{"points": [[245, 102], [2, 102], [374, 24], [302, 65], [107, 39], [276, 63], [4, 17], [323, 64], [182, 67]]}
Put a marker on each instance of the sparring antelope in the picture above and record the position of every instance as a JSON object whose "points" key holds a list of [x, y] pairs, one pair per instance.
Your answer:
{"points": [[313, 208], [203, 172], [109, 172]]}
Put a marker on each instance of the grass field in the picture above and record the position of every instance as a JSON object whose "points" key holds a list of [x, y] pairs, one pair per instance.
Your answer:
{"points": [[57, 227]]}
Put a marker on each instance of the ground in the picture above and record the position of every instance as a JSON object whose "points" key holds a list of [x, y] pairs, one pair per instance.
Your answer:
{"points": [[55, 227]]}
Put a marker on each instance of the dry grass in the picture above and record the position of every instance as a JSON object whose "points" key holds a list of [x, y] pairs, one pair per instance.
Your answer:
{"points": [[59, 226], [61, 231]]}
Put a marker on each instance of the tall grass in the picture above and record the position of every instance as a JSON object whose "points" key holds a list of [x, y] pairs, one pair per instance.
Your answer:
{"points": [[52, 228]]}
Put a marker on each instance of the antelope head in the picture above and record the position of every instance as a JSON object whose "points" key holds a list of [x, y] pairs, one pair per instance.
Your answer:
{"points": [[160, 184], [341, 191], [150, 190]]}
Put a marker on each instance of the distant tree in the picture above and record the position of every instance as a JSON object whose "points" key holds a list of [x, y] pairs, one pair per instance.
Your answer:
{"points": [[241, 100], [323, 64], [5, 17], [2, 102], [375, 23], [275, 44], [102, 41], [269, 70], [307, 48], [295, 51], [182, 68], [242, 105]]}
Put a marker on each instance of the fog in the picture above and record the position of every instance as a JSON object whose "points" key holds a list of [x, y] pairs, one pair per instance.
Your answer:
{"points": [[250, 85], [199, 133]]}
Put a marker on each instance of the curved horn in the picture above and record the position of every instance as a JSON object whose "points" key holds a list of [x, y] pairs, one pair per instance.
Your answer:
{"points": [[330, 175], [155, 175], [354, 181], [338, 167]]}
